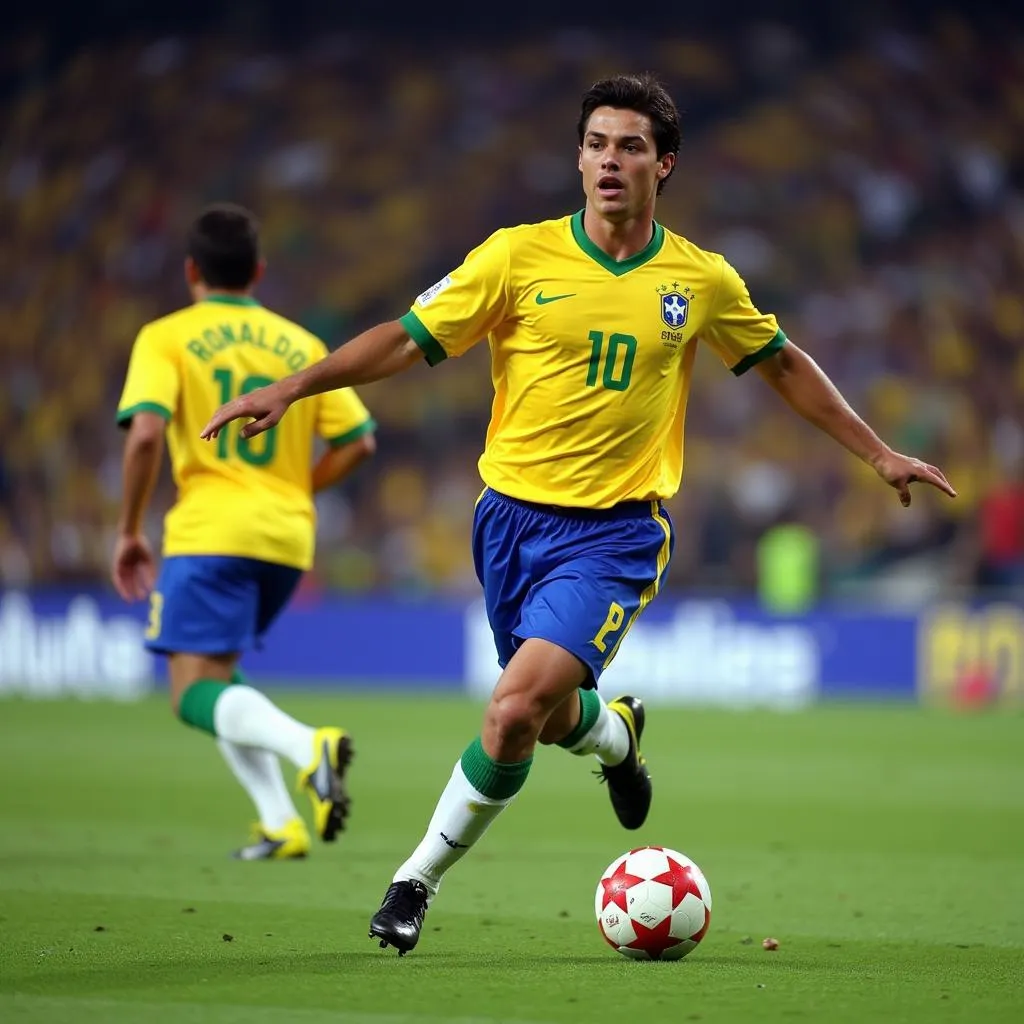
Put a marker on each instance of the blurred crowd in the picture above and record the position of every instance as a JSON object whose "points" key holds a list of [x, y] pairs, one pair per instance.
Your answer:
{"points": [[872, 198]]}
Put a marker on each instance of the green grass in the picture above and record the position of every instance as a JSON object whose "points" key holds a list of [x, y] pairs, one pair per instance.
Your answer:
{"points": [[881, 846]]}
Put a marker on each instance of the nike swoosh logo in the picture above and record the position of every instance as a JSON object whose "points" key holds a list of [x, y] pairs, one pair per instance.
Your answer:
{"points": [[451, 842], [321, 779], [543, 300], [263, 850]]}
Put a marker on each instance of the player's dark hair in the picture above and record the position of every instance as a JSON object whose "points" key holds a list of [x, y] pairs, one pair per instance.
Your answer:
{"points": [[224, 243], [643, 94]]}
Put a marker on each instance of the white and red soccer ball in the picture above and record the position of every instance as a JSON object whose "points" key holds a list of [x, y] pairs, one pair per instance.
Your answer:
{"points": [[653, 904]]}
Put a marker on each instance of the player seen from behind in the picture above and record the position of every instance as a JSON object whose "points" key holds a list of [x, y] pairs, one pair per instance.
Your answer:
{"points": [[241, 532]]}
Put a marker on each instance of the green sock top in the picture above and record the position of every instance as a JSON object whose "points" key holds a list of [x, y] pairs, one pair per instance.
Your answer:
{"points": [[498, 780], [198, 701], [590, 710]]}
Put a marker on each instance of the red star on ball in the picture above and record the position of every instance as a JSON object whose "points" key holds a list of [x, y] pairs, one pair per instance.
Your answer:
{"points": [[654, 941], [681, 879], [616, 886]]}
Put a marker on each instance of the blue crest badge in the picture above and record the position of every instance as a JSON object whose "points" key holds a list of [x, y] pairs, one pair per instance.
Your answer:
{"points": [[674, 309]]}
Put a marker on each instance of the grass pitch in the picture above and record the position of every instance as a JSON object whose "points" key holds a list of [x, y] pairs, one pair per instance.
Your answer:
{"points": [[880, 846]]}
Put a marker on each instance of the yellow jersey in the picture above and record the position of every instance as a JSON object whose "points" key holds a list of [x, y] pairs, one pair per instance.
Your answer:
{"points": [[253, 497], [591, 358]]}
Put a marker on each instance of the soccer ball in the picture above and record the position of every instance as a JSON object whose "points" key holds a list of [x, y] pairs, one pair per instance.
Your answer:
{"points": [[653, 904]]}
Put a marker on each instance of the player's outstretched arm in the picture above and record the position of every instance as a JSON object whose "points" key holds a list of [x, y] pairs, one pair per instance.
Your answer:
{"points": [[808, 391], [380, 352]]}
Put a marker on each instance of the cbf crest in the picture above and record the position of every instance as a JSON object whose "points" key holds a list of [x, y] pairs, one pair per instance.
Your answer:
{"points": [[675, 305]]}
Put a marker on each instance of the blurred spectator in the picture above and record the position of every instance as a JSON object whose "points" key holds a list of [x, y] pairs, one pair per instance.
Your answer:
{"points": [[1001, 562]]}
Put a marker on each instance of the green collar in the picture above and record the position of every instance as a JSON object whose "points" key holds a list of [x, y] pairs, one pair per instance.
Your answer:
{"points": [[232, 300], [617, 267]]}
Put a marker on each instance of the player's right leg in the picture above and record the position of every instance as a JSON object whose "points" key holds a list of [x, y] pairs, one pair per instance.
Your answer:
{"points": [[323, 778], [279, 832], [540, 676], [492, 769], [209, 605]]}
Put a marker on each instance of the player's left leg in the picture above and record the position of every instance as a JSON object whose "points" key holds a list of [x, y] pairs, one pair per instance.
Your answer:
{"points": [[585, 724], [279, 832], [596, 594], [612, 733]]}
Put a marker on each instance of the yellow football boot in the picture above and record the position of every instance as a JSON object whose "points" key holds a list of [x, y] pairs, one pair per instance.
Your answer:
{"points": [[324, 781], [288, 843]]}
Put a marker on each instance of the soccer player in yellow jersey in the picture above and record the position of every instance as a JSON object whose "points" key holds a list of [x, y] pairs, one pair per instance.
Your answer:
{"points": [[242, 530], [593, 322]]}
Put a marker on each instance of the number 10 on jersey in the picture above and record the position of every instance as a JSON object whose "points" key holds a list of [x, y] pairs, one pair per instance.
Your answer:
{"points": [[612, 362], [255, 451]]}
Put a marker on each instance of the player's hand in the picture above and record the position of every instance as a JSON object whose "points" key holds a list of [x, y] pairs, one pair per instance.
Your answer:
{"points": [[264, 406], [900, 471], [134, 569]]}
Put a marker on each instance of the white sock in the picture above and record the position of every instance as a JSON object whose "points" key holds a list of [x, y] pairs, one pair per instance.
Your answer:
{"points": [[461, 817], [245, 716], [608, 737], [259, 772]]}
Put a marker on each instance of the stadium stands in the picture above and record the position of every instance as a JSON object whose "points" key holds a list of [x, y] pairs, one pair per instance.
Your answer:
{"points": [[873, 199]]}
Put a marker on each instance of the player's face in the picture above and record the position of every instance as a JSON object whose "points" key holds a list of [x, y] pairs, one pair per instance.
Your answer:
{"points": [[620, 164]]}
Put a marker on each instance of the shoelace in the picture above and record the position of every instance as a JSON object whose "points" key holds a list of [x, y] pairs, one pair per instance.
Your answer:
{"points": [[409, 899], [602, 777]]}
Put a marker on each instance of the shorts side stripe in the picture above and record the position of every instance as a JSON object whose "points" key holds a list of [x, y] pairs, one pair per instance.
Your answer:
{"points": [[651, 591]]}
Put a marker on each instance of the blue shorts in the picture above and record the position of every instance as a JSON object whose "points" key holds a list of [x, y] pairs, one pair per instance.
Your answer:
{"points": [[575, 577], [216, 604]]}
